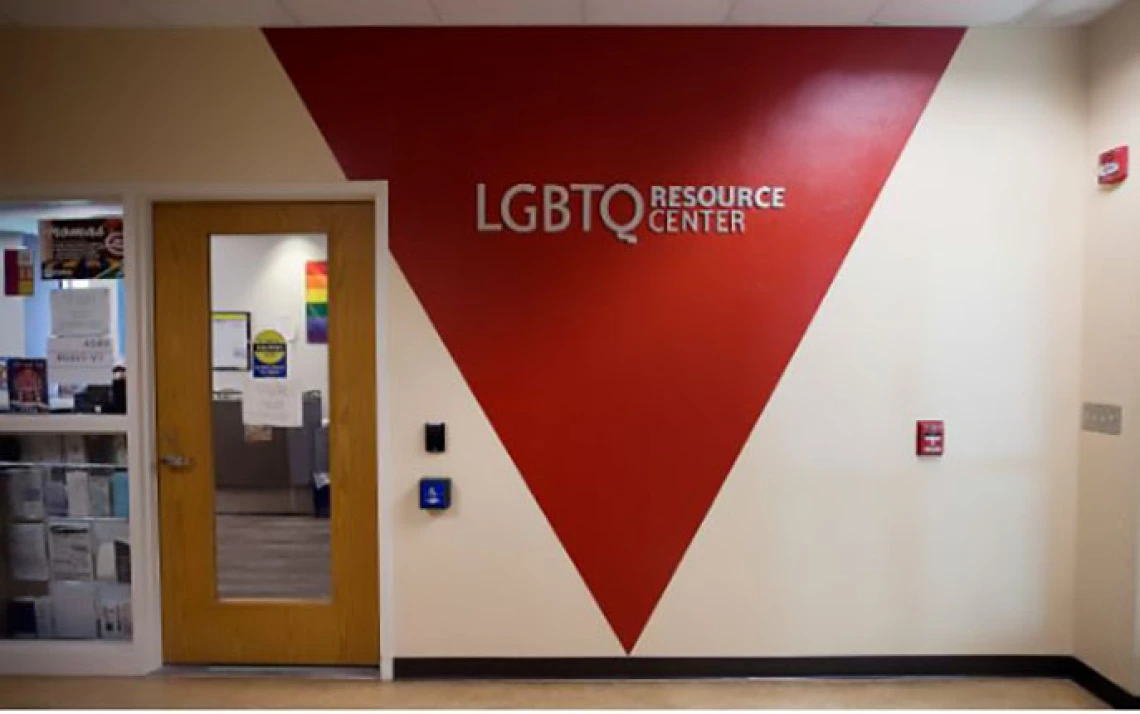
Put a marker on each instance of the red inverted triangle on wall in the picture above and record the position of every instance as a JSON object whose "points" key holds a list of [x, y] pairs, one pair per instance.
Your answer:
{"points": [[622, 379]]}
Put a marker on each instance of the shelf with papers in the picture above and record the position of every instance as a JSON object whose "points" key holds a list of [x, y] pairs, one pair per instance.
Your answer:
{"points": [[89, 519], [81, 519], [60, 465]]}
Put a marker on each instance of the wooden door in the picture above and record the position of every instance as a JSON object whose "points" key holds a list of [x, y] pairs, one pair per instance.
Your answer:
{"points": [[202, 624]]}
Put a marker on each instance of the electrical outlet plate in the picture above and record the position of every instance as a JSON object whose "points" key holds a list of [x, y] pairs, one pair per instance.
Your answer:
{"points": [[1103, 418]]}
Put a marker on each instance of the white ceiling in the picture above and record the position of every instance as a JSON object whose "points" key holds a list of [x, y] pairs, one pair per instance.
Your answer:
{"points": [[287, 13]]}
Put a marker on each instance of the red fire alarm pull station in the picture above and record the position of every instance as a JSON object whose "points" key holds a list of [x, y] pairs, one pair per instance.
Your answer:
{"points": [[1113, 166], [931, 438]]}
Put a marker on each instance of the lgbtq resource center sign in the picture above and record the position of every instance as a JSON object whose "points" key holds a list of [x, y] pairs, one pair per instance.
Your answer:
{"points": [[625, 210]]}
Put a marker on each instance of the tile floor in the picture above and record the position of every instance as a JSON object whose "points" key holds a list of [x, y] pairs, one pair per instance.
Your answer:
{"points": [[274, 692]]}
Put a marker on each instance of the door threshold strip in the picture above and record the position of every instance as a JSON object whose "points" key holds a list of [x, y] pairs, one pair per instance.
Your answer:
{"points": [[268, 671]]}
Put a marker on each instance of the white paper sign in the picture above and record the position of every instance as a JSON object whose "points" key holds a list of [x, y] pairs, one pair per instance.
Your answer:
{"points": [[271, 402], [69, 548], [231, 341], [81, 311], [80, 360]]}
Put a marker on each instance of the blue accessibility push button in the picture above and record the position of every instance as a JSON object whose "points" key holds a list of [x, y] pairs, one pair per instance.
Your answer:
{"points": [[435, 493]]}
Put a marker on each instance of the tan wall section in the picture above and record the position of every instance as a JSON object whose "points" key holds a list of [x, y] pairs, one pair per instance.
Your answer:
{"points": [[162, 106], [1107, 572]]}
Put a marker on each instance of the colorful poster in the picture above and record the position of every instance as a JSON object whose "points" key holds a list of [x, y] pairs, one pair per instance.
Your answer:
{"points": [[27, 385], [270, 355], [19, 272], [4, 383], [82, 248], [317, 302]]}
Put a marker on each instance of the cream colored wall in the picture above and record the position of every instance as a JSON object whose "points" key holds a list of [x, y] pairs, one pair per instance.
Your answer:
{"points": [[159, 106], [1107, 596]]}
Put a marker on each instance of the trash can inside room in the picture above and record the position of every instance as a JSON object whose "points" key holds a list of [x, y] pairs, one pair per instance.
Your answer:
{"points": [[322, 501]]}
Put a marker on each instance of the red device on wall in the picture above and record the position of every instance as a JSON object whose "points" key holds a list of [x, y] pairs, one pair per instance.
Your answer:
{"points": [[931, 438], [1113, 166], [19, 272]]}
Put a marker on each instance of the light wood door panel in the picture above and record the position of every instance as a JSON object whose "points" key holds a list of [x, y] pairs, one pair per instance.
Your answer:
{"points": [[198, 627]]}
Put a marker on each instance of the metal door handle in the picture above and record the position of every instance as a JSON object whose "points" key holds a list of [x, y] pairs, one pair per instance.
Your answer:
{"points": [[175, 461]]}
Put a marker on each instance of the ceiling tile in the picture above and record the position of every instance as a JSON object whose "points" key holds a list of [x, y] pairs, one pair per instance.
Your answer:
{"points": [[216, 13], [803, 12], [362, 12], [75, 13], [510, 12], [960, 13], [657, 12]]}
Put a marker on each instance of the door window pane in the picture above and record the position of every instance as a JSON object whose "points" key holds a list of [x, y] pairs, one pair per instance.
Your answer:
{"points": [[270, 406]]}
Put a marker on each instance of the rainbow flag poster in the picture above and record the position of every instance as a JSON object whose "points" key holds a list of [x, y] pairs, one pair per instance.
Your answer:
{"points": [[317, 302]]}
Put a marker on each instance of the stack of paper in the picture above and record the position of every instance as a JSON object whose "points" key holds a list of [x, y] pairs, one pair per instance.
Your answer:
{"points": [[27, 552], [78, 494], [115, 612], [55, 494], [112, 551], [120, 495], [69, 545], [26, 494], [99, 493], [74, 609]]}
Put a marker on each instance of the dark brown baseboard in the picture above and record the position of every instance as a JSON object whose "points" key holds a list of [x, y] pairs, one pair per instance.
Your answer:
{"points": [[1043, 666]]}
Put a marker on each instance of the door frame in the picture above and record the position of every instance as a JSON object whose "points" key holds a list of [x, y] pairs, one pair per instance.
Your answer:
{"points": [[144, 653]]}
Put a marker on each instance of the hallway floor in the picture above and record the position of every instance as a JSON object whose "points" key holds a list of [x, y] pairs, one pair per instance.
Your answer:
{"points": [[161, 692], [273, 556]]}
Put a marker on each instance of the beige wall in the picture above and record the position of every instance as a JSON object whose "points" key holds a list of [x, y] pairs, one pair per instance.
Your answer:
{"points": [[169, 106], [959, 301], [1107, 570]]}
